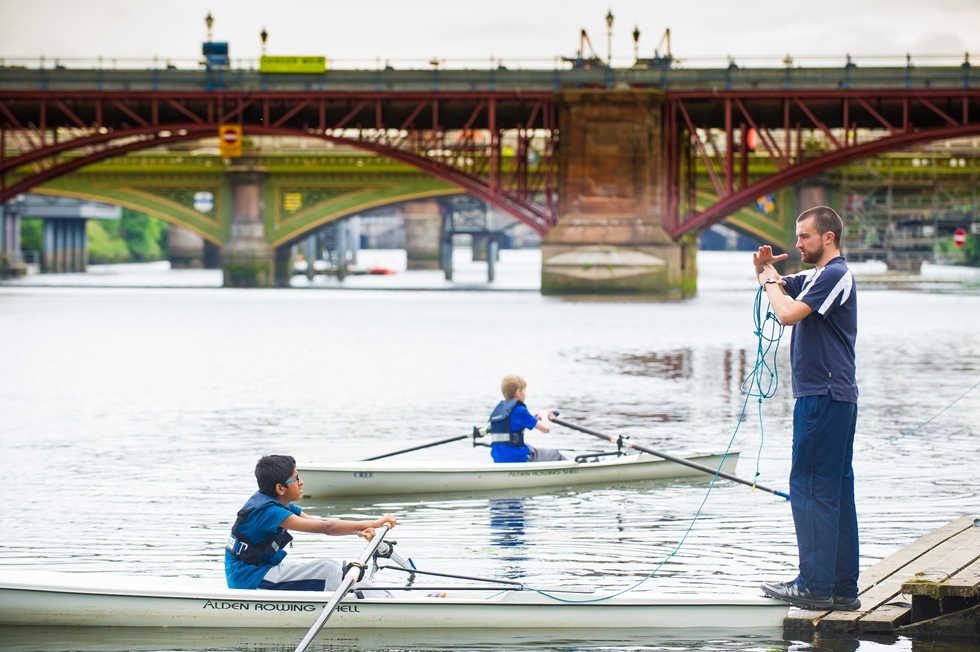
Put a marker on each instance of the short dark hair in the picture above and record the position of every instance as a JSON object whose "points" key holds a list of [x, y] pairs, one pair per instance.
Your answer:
{"points": [[272, 470], [824, 219]]}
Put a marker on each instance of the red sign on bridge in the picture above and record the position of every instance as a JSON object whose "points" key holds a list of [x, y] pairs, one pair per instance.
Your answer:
{"points": [[959, 237], [230, 141]]}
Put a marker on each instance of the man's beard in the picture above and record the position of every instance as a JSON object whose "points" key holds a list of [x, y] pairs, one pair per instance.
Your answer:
{"points": [[812, 257]]}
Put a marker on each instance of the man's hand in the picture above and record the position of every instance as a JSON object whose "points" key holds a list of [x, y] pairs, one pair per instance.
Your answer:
{"points": [[764, 257], [768, 272]]}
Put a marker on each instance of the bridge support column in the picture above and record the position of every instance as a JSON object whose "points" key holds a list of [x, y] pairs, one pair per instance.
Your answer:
{"points": [[80, 252], [63, 246], [283, 265], [609, 238], [247, 259], [185, 249], [9, 240], [423, 233], [482, 245]]}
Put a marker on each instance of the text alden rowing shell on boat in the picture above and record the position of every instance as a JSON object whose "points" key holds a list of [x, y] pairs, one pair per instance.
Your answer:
{"points": [[269, 606], [519, 474]]}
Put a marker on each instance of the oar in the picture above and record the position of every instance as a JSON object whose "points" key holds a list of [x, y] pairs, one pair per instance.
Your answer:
{"points": [[354, 573], [678, 460], [477, 432]]}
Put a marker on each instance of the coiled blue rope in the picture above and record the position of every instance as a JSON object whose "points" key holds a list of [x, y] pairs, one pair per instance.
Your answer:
{"points": [[763, 381]]}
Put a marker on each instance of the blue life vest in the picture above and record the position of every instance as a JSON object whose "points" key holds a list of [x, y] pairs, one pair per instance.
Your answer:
{"points": [[500, 424], [260, 553]]}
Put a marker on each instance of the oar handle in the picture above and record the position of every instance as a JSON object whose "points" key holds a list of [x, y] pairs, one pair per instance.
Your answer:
{"points": [[672, 458], [354, 573]]}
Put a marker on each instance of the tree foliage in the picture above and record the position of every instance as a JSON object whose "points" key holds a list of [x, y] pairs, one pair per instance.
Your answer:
{"points": [[970, 251], [135, 237]]}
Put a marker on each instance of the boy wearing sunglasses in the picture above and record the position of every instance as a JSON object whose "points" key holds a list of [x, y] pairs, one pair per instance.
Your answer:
{"points": [[255, 552]]}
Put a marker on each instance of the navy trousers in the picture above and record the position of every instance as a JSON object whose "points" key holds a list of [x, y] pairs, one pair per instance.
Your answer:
{"points": [[821, 485]]}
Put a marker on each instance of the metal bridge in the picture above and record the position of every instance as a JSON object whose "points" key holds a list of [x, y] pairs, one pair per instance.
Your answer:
{"points": [[496, 133]]}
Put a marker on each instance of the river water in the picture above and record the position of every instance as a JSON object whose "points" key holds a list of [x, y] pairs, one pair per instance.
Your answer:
{"points": [[133, 409]]}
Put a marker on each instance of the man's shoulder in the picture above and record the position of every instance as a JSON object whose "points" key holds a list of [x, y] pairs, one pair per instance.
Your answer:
{"points": [[832, 272]]}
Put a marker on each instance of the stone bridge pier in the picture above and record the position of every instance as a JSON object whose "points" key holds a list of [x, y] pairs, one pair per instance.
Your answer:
{"points": [[609, 238], [423, 233], [247, 259]]}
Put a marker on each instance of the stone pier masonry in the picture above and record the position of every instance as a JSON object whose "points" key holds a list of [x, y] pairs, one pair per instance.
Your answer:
{"points": [[610, 237]]}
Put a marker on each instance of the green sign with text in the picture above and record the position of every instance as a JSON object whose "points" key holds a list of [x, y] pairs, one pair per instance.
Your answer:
{"points": [[282, 64]]}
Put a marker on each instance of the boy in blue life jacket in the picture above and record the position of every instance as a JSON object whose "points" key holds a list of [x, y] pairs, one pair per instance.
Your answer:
{"points": [[511, 418], [256, 551]]}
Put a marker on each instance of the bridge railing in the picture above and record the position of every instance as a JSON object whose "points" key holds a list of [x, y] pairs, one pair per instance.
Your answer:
{"points": [[498, 63], [733, 77]]}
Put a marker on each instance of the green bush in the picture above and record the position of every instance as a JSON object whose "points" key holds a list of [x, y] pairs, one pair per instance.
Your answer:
{"points": [[104, 245], [31, 235], [970, 249], [145, 236]]}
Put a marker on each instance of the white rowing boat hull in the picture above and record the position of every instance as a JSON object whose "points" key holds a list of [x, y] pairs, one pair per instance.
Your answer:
{"points": [[86, 600], [388, 478]]}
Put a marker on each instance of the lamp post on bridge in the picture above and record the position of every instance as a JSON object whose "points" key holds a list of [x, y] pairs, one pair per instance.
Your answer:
{"points": [[209, 21], [636, 43], [264, 35], [609, 24]]}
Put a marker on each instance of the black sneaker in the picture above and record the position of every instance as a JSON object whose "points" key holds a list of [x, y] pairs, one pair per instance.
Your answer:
{"points": [[846, 604], [793, 594]]}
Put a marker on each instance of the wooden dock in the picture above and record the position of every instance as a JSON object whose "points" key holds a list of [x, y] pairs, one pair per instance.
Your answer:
{"points": [[930, 587]]}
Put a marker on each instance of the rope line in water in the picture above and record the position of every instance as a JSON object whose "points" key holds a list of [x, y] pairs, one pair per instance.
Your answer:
{"points": [[762, 383], [927, 421]]}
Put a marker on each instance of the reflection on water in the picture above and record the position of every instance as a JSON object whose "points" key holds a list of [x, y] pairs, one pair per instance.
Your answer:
{"points": [[131, 419], [507, 524], [94, 639], [672, 365], [24, 639]]}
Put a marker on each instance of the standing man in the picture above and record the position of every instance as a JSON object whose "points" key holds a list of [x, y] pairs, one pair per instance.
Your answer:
{"points": [[821, 305]]}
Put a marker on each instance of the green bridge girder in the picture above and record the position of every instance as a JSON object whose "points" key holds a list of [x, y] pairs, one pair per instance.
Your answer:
{"points": [[929, 181], [303, 191], [306, 189]]}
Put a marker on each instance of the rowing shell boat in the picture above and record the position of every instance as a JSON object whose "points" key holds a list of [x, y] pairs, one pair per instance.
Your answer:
{"points": [[32, 598], [391, 478]]}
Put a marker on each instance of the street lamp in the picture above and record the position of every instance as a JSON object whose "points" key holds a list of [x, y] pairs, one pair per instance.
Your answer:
{"points": [[209, 21], [609, 22], [636, 43], [264, 35]]}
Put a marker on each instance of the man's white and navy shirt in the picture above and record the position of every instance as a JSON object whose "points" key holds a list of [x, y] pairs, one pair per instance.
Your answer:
{"points": [[822, 347]]}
